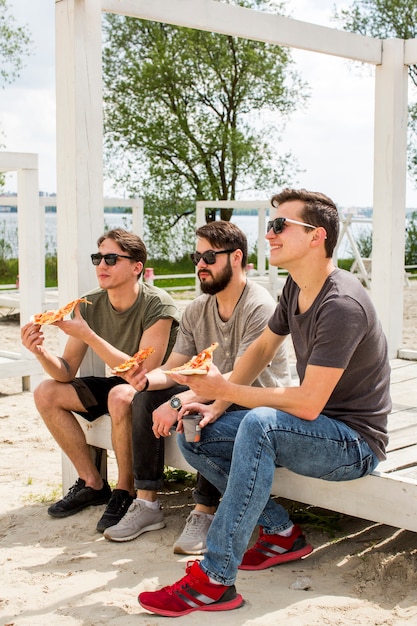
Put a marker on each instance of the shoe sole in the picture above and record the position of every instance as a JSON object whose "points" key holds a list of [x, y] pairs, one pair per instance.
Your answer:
{"points": [[60, 514], [157, 526], [179, 550], [236, 603], [281, 558]]}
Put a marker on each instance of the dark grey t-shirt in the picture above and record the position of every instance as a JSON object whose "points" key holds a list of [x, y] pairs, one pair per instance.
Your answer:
{"points": [[341, 330]]}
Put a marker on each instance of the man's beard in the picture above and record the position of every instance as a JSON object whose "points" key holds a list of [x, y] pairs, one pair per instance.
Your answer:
{"points": [[213, 286]]}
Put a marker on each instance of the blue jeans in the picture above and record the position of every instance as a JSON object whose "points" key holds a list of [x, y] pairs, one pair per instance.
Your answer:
{"points": [[261, 440]]}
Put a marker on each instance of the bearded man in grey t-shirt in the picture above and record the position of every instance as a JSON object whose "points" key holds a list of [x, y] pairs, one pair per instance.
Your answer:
{"points": [[233, 311]]}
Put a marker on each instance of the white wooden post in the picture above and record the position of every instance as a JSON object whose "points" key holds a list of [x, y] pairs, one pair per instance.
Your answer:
{"points": [[389, 191], [31, 260], [80, 218]]}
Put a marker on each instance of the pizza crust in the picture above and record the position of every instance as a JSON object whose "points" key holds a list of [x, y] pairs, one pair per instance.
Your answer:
{"points": [[201, 362], [56, 315], [136, 359], [189, 372]]}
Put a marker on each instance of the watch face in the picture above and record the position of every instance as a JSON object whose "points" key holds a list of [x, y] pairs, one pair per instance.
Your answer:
{"points": [[175, 403]]}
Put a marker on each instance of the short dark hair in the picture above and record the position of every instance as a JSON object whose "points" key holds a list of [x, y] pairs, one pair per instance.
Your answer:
{"points": [[319, 210], [223, 234], [128, 242]]}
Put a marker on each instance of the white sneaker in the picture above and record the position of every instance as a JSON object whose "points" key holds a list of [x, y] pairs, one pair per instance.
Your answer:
{"points": [[193, 538], [138, 519]]}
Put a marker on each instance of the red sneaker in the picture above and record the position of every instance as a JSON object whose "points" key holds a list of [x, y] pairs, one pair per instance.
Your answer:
{"points": [[194, 592], [272, 550]]}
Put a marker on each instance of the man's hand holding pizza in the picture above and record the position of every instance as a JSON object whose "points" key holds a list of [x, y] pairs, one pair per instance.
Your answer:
{"points": [[76, 326], [32, 338], [205, 385]]}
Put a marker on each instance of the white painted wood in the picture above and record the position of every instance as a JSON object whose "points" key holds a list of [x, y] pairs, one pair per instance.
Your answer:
{"points": [[30, 260], [79, 123], [98, 434], [384, 498], [79, 143], [388, 496], [410, 52], [389, 192], [228, 19], [14, 161]]}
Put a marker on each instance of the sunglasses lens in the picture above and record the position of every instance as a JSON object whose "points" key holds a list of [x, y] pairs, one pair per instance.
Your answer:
{"points": [[277, 225], [208, 257], [109, 259]]}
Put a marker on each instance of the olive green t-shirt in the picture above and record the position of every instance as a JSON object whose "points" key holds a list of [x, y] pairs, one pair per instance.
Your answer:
{"points": [[124, 330]]}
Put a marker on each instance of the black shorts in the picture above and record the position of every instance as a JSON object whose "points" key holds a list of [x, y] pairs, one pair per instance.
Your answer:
{"points": [[93, 392]]}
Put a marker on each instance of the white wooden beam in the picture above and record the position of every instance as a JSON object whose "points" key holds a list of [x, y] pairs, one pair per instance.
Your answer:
{"points": [[13, 161], [390, 191], [228, 19]]}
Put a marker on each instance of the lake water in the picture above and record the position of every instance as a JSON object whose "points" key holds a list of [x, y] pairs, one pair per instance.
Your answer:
{"points": [[248, 223]]}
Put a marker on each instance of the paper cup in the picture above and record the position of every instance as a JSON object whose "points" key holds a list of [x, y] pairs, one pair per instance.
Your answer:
{"points": [[191, 425]]}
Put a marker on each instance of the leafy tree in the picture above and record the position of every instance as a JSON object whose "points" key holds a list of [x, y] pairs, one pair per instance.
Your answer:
{"points": [[14, 45], [411, 240], [185, 115], [364, 243], [387, 19]]}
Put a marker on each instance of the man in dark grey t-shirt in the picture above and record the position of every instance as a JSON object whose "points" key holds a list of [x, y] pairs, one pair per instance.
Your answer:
{"points": [[332, 426]]}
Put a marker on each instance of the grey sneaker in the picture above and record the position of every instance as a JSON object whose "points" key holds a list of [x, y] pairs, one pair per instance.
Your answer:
{"points": [[138, 519], [193, 539]]}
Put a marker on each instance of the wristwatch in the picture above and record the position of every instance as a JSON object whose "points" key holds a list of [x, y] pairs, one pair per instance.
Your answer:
{"points": [[175, 403]]}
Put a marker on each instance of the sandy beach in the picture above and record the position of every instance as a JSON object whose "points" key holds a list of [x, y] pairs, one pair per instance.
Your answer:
{"points": [[64, 571]]}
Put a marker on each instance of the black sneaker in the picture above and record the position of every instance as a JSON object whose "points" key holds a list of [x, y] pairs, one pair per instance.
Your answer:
{"points": [[118, 504], [79, 497]]}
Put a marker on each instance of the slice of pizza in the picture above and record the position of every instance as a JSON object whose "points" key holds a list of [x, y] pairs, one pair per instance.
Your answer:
{"points": [[199, 364], [56, 315], [137, 358]]}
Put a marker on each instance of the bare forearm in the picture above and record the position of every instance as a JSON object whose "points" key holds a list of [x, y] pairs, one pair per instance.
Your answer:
{"points": [[104, 350], [55, 366]]}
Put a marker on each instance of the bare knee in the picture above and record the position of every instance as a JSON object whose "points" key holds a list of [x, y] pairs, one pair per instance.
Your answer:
{"points": [[52, 397], [46, 395], [119, 402]]}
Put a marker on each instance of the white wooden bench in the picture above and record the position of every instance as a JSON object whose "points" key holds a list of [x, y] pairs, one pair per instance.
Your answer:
{"points": [[388, 496]]}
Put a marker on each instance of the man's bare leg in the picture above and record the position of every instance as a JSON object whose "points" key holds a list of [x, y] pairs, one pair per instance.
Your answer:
{"points": [[119, 403], [55, 401]]}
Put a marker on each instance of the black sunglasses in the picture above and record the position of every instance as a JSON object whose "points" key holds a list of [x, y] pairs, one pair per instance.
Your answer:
{"points": [[109, 259], [279, 222], [209, 257]]}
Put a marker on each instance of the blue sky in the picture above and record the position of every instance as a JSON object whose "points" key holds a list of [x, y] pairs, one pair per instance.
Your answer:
{"points": [[332, 138]]}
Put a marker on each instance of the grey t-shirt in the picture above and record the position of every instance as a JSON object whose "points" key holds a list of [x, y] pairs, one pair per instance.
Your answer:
{"points": [[341, 330], [124, 329], [202, 325]]}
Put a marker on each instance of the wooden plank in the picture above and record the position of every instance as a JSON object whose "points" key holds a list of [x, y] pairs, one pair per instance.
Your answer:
{"points": [[381, 498], [402, 370], [388, 496], [398, 459]]}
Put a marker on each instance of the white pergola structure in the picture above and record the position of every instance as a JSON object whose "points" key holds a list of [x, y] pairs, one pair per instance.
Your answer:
{"points": [[80, 134]]}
